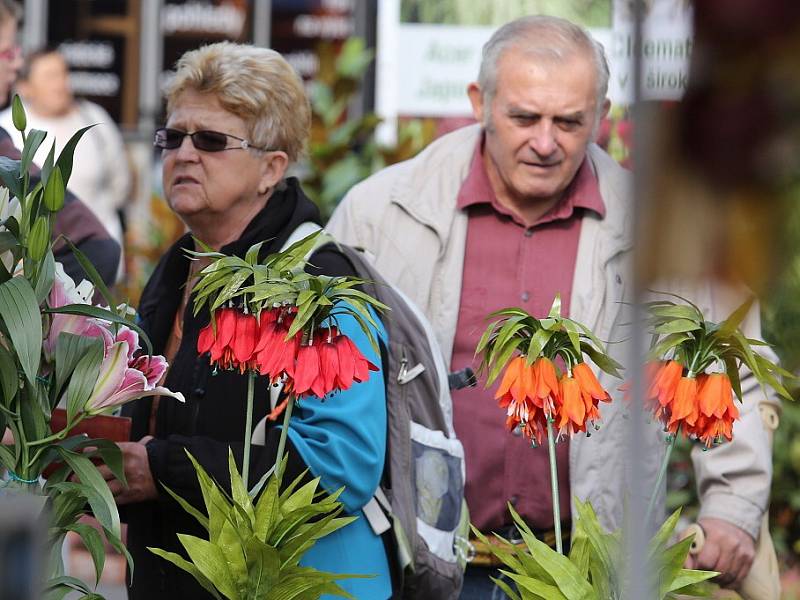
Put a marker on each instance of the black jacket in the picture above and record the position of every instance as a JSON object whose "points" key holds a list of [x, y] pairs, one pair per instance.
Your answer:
{"points": [[213, 417]]}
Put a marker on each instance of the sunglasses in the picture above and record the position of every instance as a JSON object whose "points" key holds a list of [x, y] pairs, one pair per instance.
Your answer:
{"points": [[208, 141]]}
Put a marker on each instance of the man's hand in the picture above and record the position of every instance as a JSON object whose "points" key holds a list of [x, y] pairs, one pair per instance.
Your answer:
{"points": [[141, 486], [727, 549]]}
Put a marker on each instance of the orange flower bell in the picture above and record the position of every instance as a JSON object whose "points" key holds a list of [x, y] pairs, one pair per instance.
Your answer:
{"points": [[717, 409], [572, 411]]}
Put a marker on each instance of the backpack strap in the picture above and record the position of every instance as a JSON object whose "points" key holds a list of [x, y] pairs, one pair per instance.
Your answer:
{"points": [[303, 230]]}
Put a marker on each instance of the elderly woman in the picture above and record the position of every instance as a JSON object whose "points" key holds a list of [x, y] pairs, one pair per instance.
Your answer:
{"points": [[237, 118]]}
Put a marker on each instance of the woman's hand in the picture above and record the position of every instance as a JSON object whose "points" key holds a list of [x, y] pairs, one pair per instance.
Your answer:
{"points": [[141, 486]]}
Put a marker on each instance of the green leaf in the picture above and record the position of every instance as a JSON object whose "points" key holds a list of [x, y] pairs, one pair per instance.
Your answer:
{"points": [[506, 588], [211, 562], [660, 539], [677, 326], [45, 276], [201, 518], [9, 173], [117, 544], [20, 312], [731, 324], [677, 311], [84, 378], [182, 563], [602, 360], [732, 370], [538, 342], [574, 337], [596, 536], [8, 241], [9, 378], [267, 509], [101, 313], [500, 358], [69, 350], [49, 162], [555, 308], [671, 563], [541, 589], [95, 489], [689, 577], [217, 506], [667, 344], [94, 544], [64, 161], [109, 452], [33, 140], [231, 542], [238, 490], [71, 583], [263, 568]]}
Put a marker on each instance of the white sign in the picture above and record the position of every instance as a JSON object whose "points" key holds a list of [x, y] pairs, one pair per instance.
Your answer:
{"points": [[424, 69]]}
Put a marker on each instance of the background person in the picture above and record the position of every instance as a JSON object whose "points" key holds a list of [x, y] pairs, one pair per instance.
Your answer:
{"points": [[100, 175], [510, 212], [75, 221], [237, 117]]}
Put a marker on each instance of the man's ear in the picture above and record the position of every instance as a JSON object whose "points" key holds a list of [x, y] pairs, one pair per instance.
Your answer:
{"points": [[476, 99], [273, 167], [604, 109]]}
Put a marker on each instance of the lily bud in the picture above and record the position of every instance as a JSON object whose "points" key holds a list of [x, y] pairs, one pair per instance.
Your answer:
{"points": [[54, 191], [18, 114], [39, 238]]}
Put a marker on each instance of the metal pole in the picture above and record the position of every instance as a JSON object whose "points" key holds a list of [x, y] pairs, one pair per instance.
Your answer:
{"points": [[637, 536], [34, 28], [151, 44], [262, 23]]}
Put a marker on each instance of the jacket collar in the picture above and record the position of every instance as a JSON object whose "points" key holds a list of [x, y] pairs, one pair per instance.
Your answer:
{"points": [[439, 170]]}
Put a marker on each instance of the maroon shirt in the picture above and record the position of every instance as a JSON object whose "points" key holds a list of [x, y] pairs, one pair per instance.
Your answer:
{"points": [[507, 264]]}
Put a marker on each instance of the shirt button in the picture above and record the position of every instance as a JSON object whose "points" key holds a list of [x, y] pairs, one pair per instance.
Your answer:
{"points": [[525, 296], [529, 232]]}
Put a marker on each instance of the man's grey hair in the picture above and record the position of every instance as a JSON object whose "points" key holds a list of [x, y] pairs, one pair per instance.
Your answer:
{"points": [[550, 38]]}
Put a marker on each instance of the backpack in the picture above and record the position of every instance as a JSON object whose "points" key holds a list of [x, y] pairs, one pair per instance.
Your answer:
{"points": [[419, 507]]}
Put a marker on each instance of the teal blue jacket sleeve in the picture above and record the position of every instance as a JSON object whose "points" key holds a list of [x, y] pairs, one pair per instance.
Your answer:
{"points": [[342, 438]]}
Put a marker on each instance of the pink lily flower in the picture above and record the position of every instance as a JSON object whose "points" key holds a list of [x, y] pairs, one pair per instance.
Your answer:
{"points": [[63, 292], [123, 378]]}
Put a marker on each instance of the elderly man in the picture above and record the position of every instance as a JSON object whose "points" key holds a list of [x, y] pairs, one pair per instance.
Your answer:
{"points": [[508, 213], [75, 221]]}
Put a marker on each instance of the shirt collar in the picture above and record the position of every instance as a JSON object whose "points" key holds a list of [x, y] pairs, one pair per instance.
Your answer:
{"points": [[583, 192]]}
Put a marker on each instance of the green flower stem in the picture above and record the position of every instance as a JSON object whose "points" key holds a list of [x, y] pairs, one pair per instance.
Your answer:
{"points": [[661, 473], [551, 445], [284, 432], [248, 428]]}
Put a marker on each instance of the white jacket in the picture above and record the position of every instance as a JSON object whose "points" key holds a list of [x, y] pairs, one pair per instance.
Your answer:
{"points": [[406, 216]]}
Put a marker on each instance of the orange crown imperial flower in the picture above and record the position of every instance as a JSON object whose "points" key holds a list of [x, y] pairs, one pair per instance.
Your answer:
{"points": [[532, 391], [684, 392]]}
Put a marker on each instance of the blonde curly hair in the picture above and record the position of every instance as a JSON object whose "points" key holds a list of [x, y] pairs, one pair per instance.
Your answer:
{"points": [[255, 84]]}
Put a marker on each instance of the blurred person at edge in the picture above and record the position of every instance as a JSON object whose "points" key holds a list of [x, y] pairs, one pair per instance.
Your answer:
{"points": [[100, 175], [509, 212], [75, 221], [237, 116]]}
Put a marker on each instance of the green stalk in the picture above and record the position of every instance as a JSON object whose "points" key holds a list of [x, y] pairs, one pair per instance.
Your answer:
{"points": [[248, 428], [661, 474], [551, 445], [284, 432]]}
